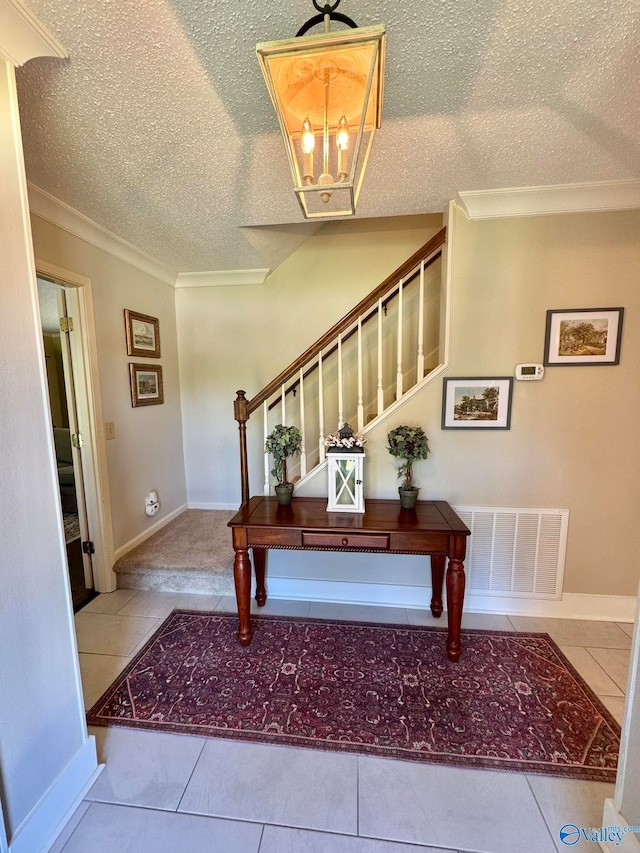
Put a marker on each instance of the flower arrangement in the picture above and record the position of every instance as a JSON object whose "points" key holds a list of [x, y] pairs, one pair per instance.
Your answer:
{"points": [[282, 442], [355, 440], [411, 445]]}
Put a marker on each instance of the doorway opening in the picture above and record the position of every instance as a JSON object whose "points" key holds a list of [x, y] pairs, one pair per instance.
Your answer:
{"points": [[68, 439]]}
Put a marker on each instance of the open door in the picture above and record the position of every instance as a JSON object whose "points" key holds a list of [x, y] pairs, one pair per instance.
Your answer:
{"points": [[82, 358], [57, 326]]}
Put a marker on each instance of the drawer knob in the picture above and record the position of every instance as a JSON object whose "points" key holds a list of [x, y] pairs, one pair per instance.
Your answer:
{"points": [[345, 541]]}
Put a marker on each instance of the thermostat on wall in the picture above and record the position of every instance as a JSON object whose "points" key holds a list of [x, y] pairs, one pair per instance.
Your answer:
{"points": [[529, 372]]}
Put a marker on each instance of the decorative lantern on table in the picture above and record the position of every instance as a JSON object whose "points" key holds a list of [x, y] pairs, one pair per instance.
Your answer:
{"points": [[345, 457]]}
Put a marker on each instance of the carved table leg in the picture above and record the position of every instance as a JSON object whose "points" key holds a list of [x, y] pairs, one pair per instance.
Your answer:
{"points": [[242, 578], [455, 598], [259, 563], [437, 577]]}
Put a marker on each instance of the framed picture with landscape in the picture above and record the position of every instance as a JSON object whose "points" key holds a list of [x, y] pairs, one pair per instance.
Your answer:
{"points": [[143, 334], [477, 403], [146, 384], [582, 336]]}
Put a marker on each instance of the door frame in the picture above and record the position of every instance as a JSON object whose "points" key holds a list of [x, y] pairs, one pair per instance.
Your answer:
{"points": [[90, 420], [71, 352]]}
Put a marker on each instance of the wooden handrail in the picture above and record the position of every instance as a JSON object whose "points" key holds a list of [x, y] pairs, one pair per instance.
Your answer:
{"points": [[325, 355], [422, 254]]}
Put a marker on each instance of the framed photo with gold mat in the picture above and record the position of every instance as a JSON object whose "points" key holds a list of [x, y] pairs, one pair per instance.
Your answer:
{"points": [[146, 384], [143, 334]]}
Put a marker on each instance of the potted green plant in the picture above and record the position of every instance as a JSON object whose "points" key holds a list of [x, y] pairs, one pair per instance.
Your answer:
{"points": [[282, 442], [409, 444]]}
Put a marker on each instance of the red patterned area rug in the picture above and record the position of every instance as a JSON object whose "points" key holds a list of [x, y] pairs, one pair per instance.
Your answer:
{"points": [[512, 702]]}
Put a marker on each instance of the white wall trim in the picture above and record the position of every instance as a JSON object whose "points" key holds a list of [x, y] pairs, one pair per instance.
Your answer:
{"points": [[146, 534], [598, 608], [231, 507], [613, 818], [23, 36], [540, 201], [602, 608], [221, 278], [48, 207], [43, 822]]}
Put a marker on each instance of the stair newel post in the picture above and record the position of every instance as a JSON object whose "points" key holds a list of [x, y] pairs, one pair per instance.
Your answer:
{"points": [[241, 414]]}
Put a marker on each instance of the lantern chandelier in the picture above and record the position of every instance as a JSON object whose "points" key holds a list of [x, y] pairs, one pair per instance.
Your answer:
{"points": [[327, 91]]}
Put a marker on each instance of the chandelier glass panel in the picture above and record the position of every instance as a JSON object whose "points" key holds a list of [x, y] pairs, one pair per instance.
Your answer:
{"points": [[327, 91]]}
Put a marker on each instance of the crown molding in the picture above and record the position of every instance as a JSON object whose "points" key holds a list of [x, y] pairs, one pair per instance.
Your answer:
{"points": [[48, 207], [23, 37], [540, 201], [221, 278]]}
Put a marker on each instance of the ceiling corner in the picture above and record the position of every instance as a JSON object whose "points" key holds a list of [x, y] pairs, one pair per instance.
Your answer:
{"points": [[48, 207], [23, 36]]}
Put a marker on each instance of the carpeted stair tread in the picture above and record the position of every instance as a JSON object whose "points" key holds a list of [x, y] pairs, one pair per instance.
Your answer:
{"points": [[193, 553]]}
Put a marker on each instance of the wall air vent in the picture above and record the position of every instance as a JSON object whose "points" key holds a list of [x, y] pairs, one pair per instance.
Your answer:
{"points": [[515, 552]]}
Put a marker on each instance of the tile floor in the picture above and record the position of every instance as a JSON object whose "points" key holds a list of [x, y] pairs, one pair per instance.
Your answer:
{"points": [[166, 793]]}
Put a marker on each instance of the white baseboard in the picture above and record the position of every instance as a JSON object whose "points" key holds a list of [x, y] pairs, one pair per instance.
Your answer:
{"points": [[629, 842], [141, 537], [202, 505], [43, 824], [603, 608], [598, 608]]}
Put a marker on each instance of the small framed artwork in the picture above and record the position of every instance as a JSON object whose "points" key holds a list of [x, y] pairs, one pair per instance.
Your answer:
{"points": [[146, 384], [477, 403], [143, 334], [583, 336]]}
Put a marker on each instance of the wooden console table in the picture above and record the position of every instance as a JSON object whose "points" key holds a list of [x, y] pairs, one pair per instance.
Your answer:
{"points": [[432, 529]]}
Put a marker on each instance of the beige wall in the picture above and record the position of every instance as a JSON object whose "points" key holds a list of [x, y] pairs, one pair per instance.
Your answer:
{"points": [[147, 451], [242, 337], [573, 441], [571, 444]]}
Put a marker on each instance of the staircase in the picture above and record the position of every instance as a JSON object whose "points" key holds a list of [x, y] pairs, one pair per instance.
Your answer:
{"points": [[382, 352]]}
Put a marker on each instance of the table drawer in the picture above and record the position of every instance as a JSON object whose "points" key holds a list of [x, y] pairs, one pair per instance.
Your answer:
{"points": [[364, 541], [273, 536], [424, 541]]}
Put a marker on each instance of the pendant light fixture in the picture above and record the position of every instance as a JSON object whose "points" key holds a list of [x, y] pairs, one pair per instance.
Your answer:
{"points": [[327, 91]]}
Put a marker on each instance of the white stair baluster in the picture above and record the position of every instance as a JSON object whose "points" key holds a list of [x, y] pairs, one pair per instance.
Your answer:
{"points": [[340, 406], [420, 372], [283, 394], [399, 373], [321, 448], [360, 402], [266, 455], [380, 385], [303, 450]]}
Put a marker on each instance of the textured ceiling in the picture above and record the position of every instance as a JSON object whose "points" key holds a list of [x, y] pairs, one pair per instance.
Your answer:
{"points": [[159, 126]]}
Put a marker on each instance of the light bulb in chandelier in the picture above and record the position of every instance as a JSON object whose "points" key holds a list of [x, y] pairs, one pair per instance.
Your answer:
{"points": [[307, 143], [342, 143]]}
